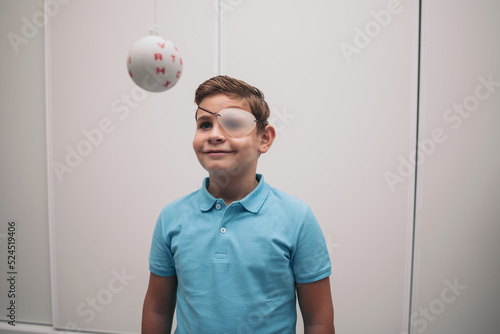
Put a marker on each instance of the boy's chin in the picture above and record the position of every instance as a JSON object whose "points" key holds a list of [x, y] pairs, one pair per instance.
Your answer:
{"points": [[224, 172], [216, 169]]}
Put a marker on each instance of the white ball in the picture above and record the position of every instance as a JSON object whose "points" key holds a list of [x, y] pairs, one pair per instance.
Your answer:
{"points": [[154, 63]]}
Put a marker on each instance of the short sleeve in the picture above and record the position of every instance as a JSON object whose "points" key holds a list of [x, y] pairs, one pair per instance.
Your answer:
{"points": [[161, 261], [310, 259]]}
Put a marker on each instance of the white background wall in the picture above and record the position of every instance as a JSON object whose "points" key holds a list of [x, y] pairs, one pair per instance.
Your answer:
{"points": [[344, 122], [458, 216], [23, 158]]}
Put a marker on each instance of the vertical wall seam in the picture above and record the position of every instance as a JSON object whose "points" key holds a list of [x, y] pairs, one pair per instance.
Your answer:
{"points": [[50, 183], [412, 263]]}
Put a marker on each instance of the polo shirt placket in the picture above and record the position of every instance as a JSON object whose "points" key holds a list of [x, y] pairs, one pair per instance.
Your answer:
{"points": [[223, 231]]}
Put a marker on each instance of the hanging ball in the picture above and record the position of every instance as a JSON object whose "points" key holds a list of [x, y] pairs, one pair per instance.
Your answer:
{"points": [[154, 63]]}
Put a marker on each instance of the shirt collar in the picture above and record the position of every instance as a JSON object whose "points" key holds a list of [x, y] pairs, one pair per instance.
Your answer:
{"points": [[252, 202]]}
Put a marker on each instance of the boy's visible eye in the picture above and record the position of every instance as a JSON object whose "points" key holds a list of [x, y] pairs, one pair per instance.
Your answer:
{"points": [[205, 125]]}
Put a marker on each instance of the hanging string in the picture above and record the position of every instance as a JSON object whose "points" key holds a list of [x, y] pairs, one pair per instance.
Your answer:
{"points": [[156, 12], [154, 28]]}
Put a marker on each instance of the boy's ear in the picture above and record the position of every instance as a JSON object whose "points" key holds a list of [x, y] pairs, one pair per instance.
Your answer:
{"points": [[267, 138]]}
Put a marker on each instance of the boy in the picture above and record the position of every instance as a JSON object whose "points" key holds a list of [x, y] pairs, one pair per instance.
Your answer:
{"points": [[234, 254]]}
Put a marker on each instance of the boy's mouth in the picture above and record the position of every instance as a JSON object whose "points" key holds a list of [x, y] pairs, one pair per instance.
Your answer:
{"points": [[217, 152]]}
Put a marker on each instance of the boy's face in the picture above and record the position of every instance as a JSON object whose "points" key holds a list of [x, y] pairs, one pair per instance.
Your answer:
{"points": [[215, 149]]}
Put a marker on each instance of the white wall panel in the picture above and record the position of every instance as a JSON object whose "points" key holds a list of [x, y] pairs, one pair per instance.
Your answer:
{"points": [[459, 180], [105, 208], [23, 172], [343, 122]]}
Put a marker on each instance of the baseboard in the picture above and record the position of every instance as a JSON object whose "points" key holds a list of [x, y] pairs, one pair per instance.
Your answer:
{"points": [[5, 328]]}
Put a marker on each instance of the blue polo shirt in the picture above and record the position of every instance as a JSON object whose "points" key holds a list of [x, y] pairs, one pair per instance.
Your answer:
{"points": [[237, 265]]}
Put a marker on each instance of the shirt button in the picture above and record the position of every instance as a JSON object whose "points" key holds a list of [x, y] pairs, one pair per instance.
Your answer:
{"points": [[217, 206], [223, 230]]}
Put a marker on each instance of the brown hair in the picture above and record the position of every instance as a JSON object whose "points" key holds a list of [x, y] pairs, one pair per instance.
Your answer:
{"points": [[233, 88]]}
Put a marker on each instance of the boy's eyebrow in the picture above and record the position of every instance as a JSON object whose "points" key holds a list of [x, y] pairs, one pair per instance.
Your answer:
{"points": [[208, 111], [205, 116]]}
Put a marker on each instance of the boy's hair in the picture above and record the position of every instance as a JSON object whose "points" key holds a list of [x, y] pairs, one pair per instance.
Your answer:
{"points": [[233, 88]]}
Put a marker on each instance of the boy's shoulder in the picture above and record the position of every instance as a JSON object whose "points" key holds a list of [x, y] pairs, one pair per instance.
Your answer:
{"points": [[279, 195], [289, 205], [181, 203]]}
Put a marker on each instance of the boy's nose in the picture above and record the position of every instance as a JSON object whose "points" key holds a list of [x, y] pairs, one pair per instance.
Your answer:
{"points": [[217, 134]]}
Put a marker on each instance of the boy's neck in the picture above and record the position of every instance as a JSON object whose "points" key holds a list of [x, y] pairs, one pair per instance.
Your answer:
{"points": [[231, 188]]}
